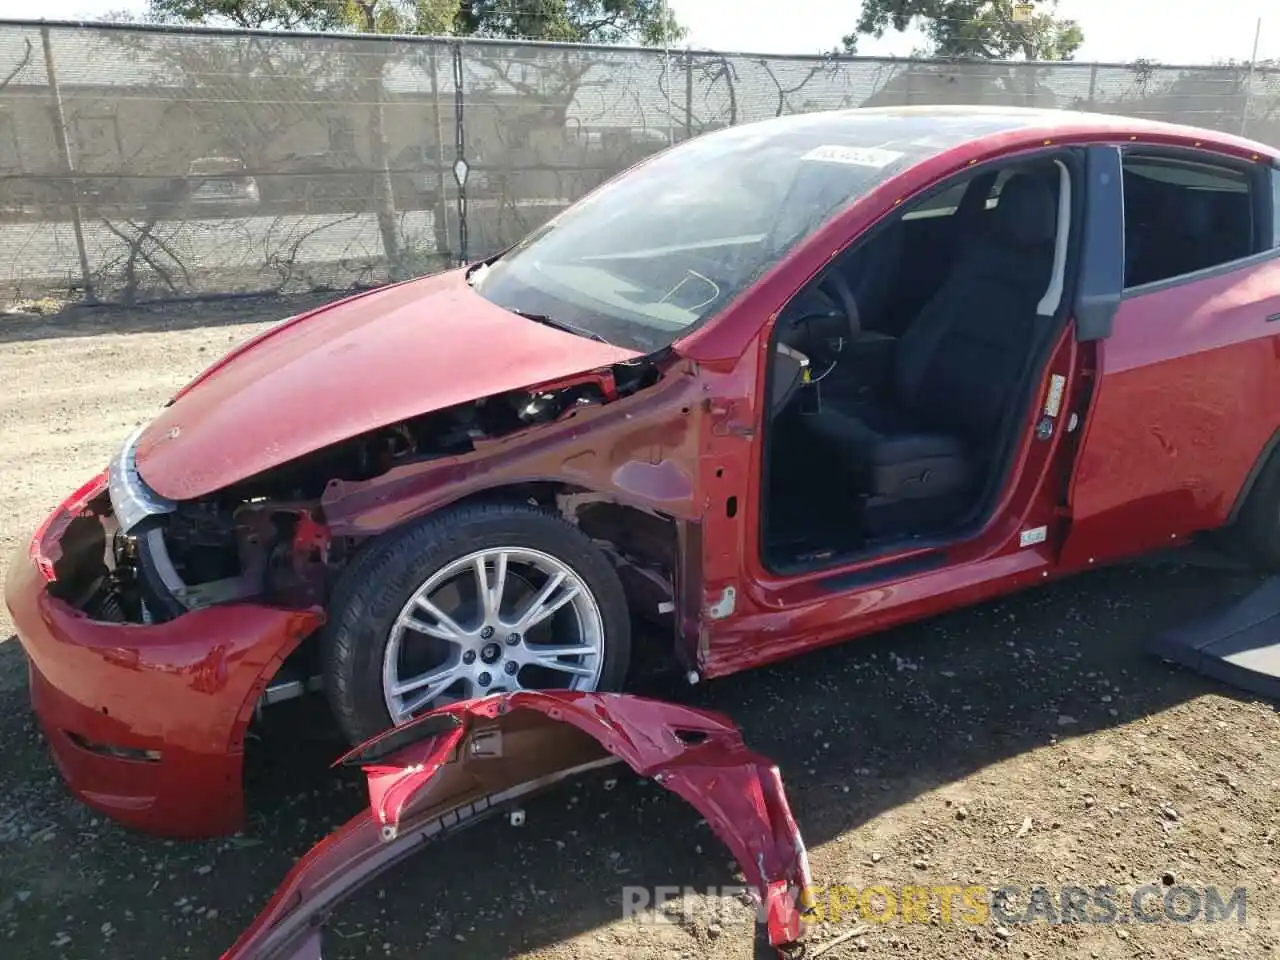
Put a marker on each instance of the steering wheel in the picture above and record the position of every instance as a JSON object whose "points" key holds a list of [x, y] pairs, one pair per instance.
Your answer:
{"points": [[790, 365], [838, 285]]}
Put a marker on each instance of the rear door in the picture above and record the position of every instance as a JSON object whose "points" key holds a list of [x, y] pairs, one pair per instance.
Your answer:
{"points": [[1185, 325]]}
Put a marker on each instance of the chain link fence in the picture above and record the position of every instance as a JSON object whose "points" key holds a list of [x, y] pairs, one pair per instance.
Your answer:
{"points": [[140, 163]]}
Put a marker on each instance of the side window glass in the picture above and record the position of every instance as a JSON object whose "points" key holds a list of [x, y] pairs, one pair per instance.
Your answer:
{"points": [[1181, 216]]}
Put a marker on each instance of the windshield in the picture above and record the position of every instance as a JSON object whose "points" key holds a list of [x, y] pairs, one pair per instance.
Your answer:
{"points": [[659, 250]]}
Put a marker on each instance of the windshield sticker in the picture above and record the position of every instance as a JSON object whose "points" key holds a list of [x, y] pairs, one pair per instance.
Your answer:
{"points": [[857, 156]]}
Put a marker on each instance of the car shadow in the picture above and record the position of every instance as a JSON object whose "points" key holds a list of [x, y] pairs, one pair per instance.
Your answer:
{"points": [[857, 730]]}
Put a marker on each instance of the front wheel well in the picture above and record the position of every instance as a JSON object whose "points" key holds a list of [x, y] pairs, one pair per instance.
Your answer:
{"points": [[644, 545], [391, 647]]}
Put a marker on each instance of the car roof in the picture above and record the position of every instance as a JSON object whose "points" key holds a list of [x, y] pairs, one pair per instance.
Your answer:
{"points": [[978, 122]]}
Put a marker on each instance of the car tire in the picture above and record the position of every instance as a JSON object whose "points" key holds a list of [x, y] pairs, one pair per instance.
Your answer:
{"points": [[1255, 535], [381, 586]]}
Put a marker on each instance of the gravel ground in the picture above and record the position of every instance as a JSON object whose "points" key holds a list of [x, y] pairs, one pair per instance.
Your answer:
{"points": [[1028, 741]]}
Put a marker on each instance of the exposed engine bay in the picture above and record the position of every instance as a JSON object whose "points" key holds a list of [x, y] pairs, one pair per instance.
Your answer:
{"points": [[133, 557]]}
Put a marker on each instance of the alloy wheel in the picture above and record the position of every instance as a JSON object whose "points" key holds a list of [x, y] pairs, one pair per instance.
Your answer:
{"points": [[499, 619]]}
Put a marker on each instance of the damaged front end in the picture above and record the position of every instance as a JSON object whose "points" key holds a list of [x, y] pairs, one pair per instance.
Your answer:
{"points": [[456, 765], [264, 538], [129, 556]]}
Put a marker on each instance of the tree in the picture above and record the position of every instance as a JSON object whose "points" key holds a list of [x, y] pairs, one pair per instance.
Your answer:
{"points": [[254, 14], [571, 21], [1227, 95], [974, 29]]}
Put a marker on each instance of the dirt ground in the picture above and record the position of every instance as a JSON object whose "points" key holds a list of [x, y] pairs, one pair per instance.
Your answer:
{"points": [[1024, 742]]}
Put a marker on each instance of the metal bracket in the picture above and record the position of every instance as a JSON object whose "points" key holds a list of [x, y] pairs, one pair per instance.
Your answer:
{"points": [[724, 607], [486, 744]]}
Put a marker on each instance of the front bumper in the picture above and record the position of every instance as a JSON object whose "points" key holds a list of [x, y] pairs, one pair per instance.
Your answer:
{"points": [[146, 722]]}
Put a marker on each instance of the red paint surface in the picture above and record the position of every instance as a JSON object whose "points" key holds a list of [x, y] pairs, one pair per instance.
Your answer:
{"points": [[46, 542], [185, 688], [777, 617], [1189, 396], [1177, 407], [348, 368], [642, 449], [738, 791]]}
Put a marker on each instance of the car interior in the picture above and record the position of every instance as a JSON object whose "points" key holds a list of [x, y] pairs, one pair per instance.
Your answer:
{"points": [[897, 374], [1181, 217]]}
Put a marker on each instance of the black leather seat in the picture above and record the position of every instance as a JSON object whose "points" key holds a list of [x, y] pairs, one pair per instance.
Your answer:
{"points": [[871, 269], [919, 453]]}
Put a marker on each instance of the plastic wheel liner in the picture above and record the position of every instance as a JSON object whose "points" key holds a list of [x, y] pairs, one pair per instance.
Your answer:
{"points": [[455, 765]]}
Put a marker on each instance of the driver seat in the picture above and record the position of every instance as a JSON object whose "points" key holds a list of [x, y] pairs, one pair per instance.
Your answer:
{"points": [[918, 455]]}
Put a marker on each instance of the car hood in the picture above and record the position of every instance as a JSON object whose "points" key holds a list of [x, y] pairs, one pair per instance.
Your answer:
{"points": [[451, 768], [346, 368]]}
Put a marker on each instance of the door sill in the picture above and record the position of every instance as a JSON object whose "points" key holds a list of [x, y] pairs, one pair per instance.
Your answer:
{"points": [[887, 560]]}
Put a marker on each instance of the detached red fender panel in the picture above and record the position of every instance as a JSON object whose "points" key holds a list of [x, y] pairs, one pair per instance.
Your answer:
{"points": [[453, 766]]}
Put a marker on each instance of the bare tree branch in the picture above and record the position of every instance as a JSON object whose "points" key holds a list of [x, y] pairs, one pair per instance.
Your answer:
{"points": [[22, 64]]}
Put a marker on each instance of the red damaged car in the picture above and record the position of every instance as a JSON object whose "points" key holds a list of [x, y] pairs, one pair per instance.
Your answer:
{"points": [[781, 385]]}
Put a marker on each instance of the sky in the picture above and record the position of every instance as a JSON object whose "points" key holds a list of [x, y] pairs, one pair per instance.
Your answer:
{"points": [[1115, 30]]}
